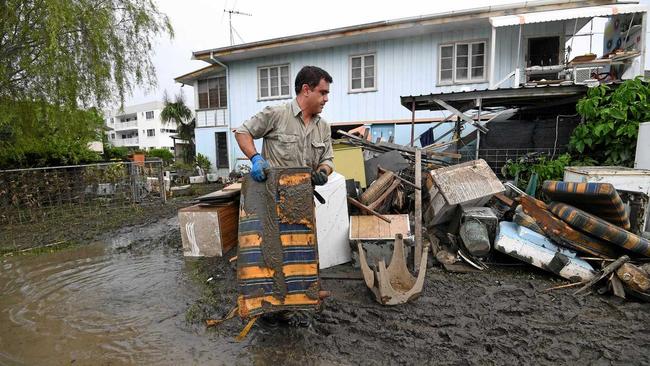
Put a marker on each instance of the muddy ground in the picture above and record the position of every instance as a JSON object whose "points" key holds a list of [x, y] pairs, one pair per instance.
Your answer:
{"points": [[499, 316]]}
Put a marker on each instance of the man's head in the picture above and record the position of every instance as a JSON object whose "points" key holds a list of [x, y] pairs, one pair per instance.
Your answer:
{"points": [[312, 87]]}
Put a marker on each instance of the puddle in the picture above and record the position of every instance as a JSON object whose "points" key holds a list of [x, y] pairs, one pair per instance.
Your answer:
{"points": [[102, 303]]}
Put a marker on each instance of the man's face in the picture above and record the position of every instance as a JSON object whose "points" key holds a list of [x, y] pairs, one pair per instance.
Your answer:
{"points": [[317, 97]]}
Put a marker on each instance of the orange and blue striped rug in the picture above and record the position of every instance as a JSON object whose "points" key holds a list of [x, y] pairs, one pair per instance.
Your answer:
{"points": [[277, 260]]}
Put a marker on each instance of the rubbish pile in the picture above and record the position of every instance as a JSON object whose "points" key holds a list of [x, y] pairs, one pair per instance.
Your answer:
{"points": [[581, 232], [417, 202]]}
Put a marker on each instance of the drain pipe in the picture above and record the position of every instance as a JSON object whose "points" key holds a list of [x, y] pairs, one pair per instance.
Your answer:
{"points": [[228, 102]]}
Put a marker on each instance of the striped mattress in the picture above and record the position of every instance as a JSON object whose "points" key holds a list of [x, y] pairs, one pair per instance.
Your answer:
{"points": [[599, 199], [600, 228]]}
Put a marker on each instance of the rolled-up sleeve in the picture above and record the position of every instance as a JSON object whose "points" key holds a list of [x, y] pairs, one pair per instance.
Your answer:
{"points": [[259, 125], [327, 158]]}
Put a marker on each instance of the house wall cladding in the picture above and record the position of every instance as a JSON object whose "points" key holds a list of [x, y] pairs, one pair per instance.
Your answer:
{"points": [[405, 66]]}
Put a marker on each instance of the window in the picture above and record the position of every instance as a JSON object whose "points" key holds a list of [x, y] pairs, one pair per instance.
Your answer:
{"points": [[363, 73], [151, 132], [112, 136], [213, 93], [462, 62], [222, 150], [149, 115], [166, 130], [273, 82]]}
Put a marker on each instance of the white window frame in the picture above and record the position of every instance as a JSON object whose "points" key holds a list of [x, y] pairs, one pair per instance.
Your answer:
{"points": [[147, 115], [363, 89], [152, 131], [259, 82], [469, 80]]}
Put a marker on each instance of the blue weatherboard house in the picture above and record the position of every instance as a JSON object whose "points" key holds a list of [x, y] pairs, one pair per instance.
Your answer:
{"points": [[374, 64]]}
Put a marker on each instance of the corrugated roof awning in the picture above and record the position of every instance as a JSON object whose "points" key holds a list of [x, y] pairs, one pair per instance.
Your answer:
{"points": [[555, 15]]}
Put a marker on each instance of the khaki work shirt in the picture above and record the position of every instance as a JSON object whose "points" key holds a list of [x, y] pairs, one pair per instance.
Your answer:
{"points": [[287, 141]]}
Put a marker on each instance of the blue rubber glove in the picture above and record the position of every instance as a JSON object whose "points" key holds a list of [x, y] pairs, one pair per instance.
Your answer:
{"points": [[259, 164]]}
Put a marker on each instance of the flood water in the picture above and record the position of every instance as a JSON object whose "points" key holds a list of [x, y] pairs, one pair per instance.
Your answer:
{"points": [[101, 304]]}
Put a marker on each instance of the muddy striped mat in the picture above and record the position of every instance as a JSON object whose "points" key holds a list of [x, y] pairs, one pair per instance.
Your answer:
{"points": [[277, 259]]}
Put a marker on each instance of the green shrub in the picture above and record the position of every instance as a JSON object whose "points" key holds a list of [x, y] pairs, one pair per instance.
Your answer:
{"points": [[164, 154], [612, 117], [203, 162]]}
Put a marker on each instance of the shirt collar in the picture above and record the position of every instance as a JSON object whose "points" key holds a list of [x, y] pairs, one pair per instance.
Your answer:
{"points": [[295, 110]]}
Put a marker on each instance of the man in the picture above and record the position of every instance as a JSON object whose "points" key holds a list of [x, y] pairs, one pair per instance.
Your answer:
{"points": [[294, 133]]}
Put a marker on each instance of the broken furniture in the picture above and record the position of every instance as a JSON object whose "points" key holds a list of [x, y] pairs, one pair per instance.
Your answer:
{"points": [[600, 228], [563, 234], [535, 249], [468, 184], [622, 178], [394, 285], [599, 199], [208, 231], [277, 258], [332, 223], [376, 236]]}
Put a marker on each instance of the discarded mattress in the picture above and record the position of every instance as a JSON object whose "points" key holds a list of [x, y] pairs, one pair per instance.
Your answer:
{"points": [[563, 234], [599, 199], [533, 248], [277, 261], [601, 228]]}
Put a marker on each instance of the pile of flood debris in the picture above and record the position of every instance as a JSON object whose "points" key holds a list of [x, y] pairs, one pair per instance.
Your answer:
{"points": [[587, 233], [415, 204]]}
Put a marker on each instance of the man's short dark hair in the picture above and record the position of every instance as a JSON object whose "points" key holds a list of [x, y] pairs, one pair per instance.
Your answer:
{"points": [[311, 75]]}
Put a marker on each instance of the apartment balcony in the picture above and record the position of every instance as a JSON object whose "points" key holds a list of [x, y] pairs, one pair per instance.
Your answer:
{"points": [[118, 142], [131, 125]]}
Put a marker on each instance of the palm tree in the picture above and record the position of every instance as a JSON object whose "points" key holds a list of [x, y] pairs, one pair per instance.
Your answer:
{"points": [[178, 113]]}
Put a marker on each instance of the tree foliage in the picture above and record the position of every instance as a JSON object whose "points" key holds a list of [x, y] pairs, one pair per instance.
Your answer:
{"points": [[180, 114], [165, 155], [77, 52], [612, 119], [42, 134]]}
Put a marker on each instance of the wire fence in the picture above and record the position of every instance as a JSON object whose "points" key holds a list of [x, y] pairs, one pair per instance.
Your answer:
{"points": [[497, 158], [39, 194]]}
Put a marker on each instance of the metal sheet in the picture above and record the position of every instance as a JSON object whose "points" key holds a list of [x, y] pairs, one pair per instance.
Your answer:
{"points": [[553, 15]]}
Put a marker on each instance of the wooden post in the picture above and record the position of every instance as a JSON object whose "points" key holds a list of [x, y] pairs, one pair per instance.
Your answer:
{"points": [[413, 122], [418, 208], [605, 272]]}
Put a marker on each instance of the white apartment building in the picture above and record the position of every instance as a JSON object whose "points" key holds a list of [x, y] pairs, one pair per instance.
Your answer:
{"points": [[139, 126]]}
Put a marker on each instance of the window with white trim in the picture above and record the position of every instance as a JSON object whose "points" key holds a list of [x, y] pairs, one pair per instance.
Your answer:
{"points": [[462, 62], [273, 82], [149, 114], [151, 132], [363, 73], [212, 93]]}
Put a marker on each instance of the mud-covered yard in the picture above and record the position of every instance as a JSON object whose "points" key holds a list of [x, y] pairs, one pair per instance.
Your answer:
{"points": [[136, 300], [499, 316]]}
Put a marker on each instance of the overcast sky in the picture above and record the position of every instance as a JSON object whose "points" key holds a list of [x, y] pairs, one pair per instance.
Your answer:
{"points": [[202, 24]]}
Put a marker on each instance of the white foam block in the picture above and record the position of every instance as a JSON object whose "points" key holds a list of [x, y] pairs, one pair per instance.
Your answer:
{"points": [[332, 223]]}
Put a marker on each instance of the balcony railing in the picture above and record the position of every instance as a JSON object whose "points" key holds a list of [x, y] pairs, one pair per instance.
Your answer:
{"points": [[133, 141], [126, 125]]}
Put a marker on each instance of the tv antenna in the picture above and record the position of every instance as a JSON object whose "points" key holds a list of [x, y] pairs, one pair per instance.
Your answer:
{"points": [[232, 29]]}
